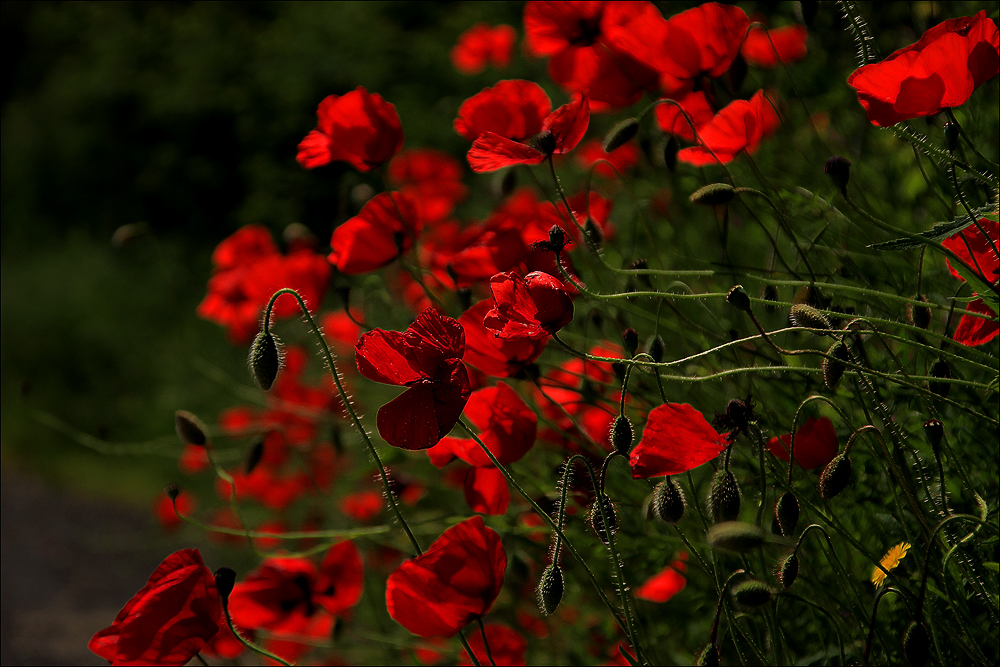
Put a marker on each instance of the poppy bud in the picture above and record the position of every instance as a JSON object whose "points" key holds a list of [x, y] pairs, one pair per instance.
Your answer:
{"points": [[951, 134], [504, 183], [770, 294], [618, 368], [752, 594], [942, 370], [265, 359], [670, 149], [808, 317], [736, 536], [934, 431], [225, 579], [788, 571], [835, 476], [805, 11], [833, 370], [919, 316], [631, 341], [621, 435], [545, 142], [593, 232], [838, 168], [709, 657], [656, 348], [464, 295], [739, 299], [190, 429], [597, 521], [172, 490], [916, 643], [786, 511], [668, 501], [254, 455], [550, 589], [714, 194], [724, 497], [557, 239], [620, 133]]}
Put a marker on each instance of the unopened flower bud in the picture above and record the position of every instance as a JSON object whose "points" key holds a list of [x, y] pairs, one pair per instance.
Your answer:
{"points": [[951, 133], [788, 571], [550, 589], [739, 299], [656, 348], [621, 435], [835, 476], [919, 316], [808, 317], [786, 511], [618, 368], [805, 12], [265, 359], [714, 194], [752, 594], [724, 497], [941, 370], [225, 579], [770, 294], [934, 432], [833, 369], [916, 643], [620, 134], [597, 521], [464, 296], [190, 429], [709, 657], [630, 339], [838, 168], [557, 239], [670, 148], [254, 455], [668, 501], [172, 490], [736, 536]]}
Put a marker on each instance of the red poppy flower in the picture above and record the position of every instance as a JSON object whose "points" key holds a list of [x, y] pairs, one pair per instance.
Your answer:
{"points": [[622, 158], [739, 127], [695, 105], [360, 128], [507, 646], [432, 179], [492, 355], [677, 438], [483, 44], [486, 491], [940, 71], [666, 584], [464, 257], [383, 230], [789, 45], [169, 620], [455, 581], [533, 307], [815, 443], [974, 331], [362, 506], [427, 358]]}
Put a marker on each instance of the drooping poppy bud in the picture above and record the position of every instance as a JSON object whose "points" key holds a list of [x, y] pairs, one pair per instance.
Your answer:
{"points": [[172, 491], [225, 579], [597, 521], [670, 148], [808, 317], [736, 536], [190, 429], [786, 511], [265, 359], [788, 571], [919, 316], [669, 502], [833, 369], [620, 134], [550, 589], [621, 435], [254, 455], [770, 294], [724, 497], [835, 476], [739, 299], [752, 594], [656, 348], [838, 168], [709, 657], [934, 432], [941, 370], [714, 194], [916, 643], [951, 133], [630, 339]]}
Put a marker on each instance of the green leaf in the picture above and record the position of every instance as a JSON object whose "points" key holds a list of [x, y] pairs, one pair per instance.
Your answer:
{"points": [[938, 232]]}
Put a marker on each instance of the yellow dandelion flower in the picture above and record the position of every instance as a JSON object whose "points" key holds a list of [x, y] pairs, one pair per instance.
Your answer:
{"points": [[889, 561]]}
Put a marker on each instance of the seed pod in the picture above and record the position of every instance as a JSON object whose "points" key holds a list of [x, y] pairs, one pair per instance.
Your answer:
{"points": [[190, 429], [788, 571], [833, 370], [786, 511], [934, 432], [919, 316], [620, 134], [739, 299], [942, 370], [254, 455], [597, 521], [265, 359], [736, 536], [724, 497], [172, 490], [916, 643], [752, 594], [557, 239], [709, 657], [621, 435], [807, 316], [225, 579], [835, 476], [656, 348], [550, 589], [668, 501], [714, 194], [838, 168]]}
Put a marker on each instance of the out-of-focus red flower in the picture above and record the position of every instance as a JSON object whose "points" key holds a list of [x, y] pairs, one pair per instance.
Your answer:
{"points": [[483, 44], [980, 253], [384, 229], [672, 120], [665, 584], [169, 620], [940, 71], [677, 438], [486, 491], [789, 45], [362, 506], [622, 158], [164, 509], [455, 581], [342, 330], [507, 646], [224, 644], [737, 128], [427, 358], [535, 306], [815, 443], [510, 124], [432, 179], [359, 127], [490, 354], [464, 257], [582, 58], [974, 331], [193, 459]]}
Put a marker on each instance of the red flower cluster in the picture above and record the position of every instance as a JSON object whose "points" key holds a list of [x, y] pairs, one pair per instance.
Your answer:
{"points": [[815, 443], [359, 128], [980, 253], [491, 354], [677, 438], [483, 44], [940, 71], [385, 228], [431, 179], [765, 47], [533, 307]]}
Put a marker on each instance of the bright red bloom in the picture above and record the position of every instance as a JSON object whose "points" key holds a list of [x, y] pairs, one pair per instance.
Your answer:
{"points": [[483, 44], [342, 330], [974, 331], [362, 506], [697, 108], [490, 354], [983, 259], [739, 127], [533, 307], [463, 257], [666, 584], [622, 158], [940, 71], [384, 229], [507, 646], [486, 491], [169, 620], [455, 581], [789, 45], [677, 438], [360, 128], [815, 443], [427, 358], [432, 179]]}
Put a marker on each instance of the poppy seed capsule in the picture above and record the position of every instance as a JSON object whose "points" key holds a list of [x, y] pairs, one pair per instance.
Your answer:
{"points": [[919, 316], [597, 521], [786, 511], [550, 589], [752, 594], [916, 643], [620, 133], [838, 168], [788, 571], [739, 299], [941, 370], [833, 369], [709, 657], [265, 359], [172, 490], [835, 476], [621, 435], [190, 429], [724, 497], [668, 501], [736, 536], [808, 317], [714, 194], [225, 579]]}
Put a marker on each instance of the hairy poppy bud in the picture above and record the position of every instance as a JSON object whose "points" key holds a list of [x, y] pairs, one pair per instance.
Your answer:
{"points": [[714, 194], [805, 12], [630, 339], [788, 571], [786, 511], [835, 476], [934, 431], [739, 299], [724, 497], [656, 348], [752, 594], [709, 657], [838, 168], [597, 521], [668, 501], [621, 435], [254, 455], [941, 370], [265, 359], [550, 589], [172, 490], [464, 295], [833, 369], [620, 133], [736, 536], [951, 133], [919, 316], [916, 643], [808, 317], [670, 148], [190, 429], [505, 183], [225, 579]]}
